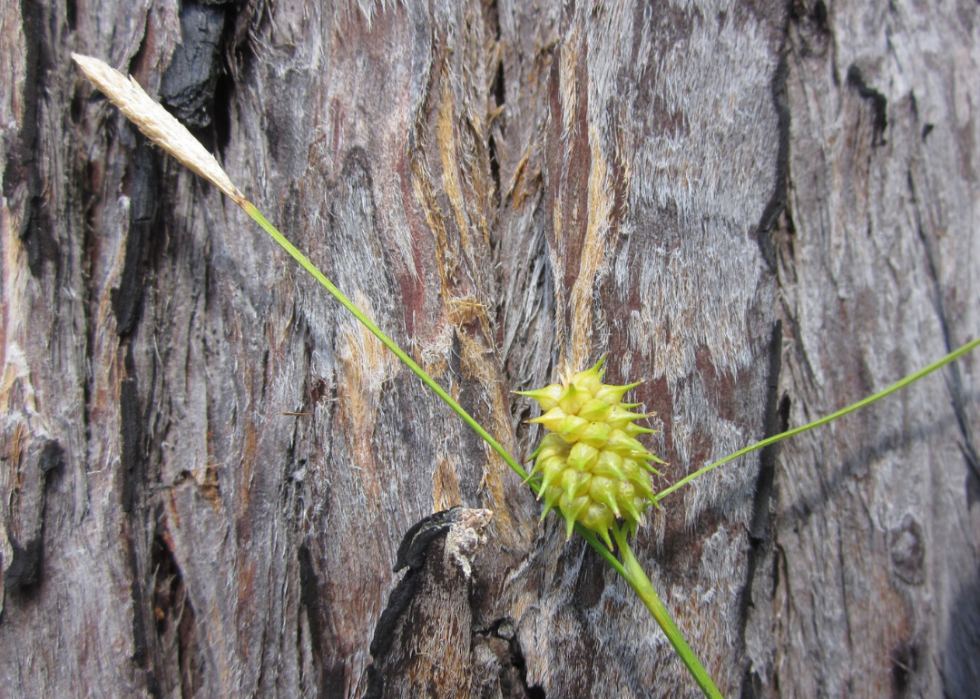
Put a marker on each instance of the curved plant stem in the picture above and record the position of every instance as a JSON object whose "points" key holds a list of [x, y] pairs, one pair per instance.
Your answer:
{"points": [[641, 584], [630, 569], [631, 572], [897, 386], [378, 333], [170, 135]]}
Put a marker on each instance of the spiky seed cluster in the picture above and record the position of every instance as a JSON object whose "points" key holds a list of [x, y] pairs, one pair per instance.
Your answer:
{"points": [[591, 465]]}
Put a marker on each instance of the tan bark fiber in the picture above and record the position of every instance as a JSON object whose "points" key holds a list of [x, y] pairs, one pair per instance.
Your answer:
{"points": [[767, 209]]}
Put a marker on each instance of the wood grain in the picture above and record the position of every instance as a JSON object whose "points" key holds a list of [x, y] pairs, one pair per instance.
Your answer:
{"points": [[767, 209]]}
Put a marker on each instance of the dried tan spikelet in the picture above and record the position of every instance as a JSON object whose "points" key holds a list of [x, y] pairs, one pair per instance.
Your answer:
{"points": [[157, 123]]}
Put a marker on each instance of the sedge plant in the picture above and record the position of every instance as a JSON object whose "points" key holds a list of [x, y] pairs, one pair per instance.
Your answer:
{"points": [[590, 467]]}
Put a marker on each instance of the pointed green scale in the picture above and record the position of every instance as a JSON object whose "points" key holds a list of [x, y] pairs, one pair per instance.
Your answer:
{"points": [[552, 471], [632, 430], [572, 427], [582, 456], [597, 367], [546, 397], [575, 484], [643, 459], [620, 418], [654, 458], [599, 519], [631, 504], [551, 496], [571, 508], [610, 465], [548, 452], [652, 470], [573, 399], [596, 435], [551, 419], [623, 444], [645, 466], [614, 394], [569, 526], [605, 490], [625, 490], [551, 463], [631, 468], [590, 379], [569, 480], [633, 513], [552, 445], [551, 439], [642, 486], [595, 411]]}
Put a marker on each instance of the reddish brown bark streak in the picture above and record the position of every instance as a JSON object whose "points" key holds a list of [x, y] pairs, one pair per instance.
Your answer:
{"points": [[239, 461]]}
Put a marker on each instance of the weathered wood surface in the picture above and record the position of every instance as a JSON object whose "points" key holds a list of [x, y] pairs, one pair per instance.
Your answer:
{"points": [[876, 521], [767, 209], [425, 637]]}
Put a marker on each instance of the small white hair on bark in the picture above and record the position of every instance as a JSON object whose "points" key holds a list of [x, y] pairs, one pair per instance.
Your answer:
{"points": [[156, 122]]}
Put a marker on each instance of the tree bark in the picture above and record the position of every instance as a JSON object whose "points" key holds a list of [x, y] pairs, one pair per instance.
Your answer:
{"points": [[766, 209]]}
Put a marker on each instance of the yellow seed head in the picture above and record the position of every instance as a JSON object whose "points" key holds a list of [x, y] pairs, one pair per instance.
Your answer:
{"points": [[593, 469]]}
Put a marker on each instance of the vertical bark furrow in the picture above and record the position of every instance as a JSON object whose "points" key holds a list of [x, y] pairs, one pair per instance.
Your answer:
{"points": [[862, 309], [509, 189]]}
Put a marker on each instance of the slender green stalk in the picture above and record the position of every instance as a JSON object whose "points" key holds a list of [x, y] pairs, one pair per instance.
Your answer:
{"points": [[897, 386], [378, 333], [630, 569], [167, 132], [632, 573], [643, 588]]}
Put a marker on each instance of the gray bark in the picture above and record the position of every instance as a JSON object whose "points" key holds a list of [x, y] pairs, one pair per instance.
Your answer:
{"points": [[766, 209]]}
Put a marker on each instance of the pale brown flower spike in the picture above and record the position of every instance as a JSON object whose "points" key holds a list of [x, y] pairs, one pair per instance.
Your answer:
{"points": [[157, 123]]}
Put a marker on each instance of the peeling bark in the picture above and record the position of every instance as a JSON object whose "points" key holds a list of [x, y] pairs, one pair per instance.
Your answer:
{"points": [[766, 209]]}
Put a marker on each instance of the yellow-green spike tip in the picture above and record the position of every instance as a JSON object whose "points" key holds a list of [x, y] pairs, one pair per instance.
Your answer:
{"points": [[593, 469]]}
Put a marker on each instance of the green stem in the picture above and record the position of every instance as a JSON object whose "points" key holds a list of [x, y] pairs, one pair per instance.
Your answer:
{"points": [[632, 573], [897, 386], [641, 584], [378, 333], [629, 569]]}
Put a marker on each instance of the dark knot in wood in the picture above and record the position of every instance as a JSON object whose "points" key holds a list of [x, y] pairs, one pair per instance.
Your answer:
{"points": [[422, 642]]}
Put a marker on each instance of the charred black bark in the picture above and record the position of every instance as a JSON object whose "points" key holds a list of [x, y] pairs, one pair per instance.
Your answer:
{"points": [[429, 610]]}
